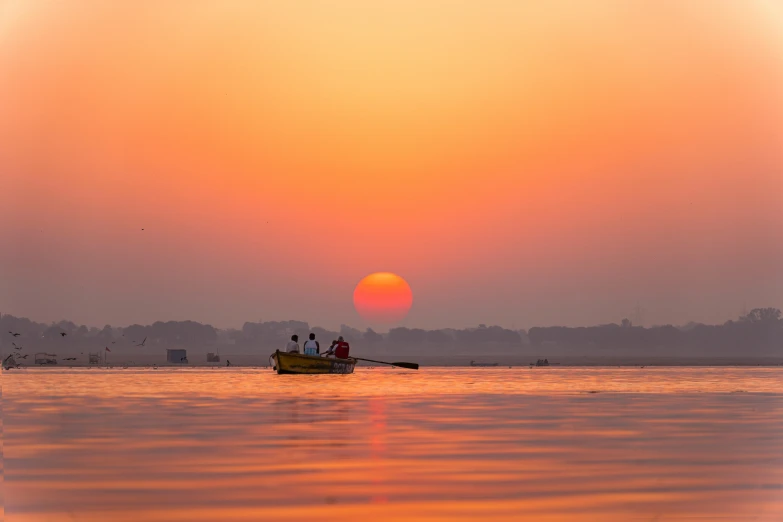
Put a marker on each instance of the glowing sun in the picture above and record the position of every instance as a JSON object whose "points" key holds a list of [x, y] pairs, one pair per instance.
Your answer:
{"points": [[383, 297]]}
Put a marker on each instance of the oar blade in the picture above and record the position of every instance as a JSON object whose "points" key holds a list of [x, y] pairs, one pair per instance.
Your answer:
{"points": [[410, 366]]}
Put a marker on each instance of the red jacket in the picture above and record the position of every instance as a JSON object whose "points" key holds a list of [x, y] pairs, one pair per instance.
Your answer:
{"points": [[341, 350]]}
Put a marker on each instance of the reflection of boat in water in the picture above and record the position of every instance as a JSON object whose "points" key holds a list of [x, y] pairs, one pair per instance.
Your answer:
{"points": [[474, 363], [303, 364], [42, 358]]}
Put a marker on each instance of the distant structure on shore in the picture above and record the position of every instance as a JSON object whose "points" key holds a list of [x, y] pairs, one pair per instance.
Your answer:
{"points": [[42, 358], [177, 356]]}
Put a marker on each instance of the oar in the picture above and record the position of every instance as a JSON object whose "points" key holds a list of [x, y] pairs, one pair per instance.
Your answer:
{"points": [[410, 366]]}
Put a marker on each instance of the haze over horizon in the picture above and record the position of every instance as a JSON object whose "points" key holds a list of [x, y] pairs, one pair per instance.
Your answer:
{"points": [[518, 164]]}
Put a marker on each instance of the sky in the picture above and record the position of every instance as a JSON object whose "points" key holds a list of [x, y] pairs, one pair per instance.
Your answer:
{"points": [[518, 163]]}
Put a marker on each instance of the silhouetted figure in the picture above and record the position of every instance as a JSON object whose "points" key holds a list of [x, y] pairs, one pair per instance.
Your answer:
{"points": [[311, 346], [228, 363], [293, 344], [339, 349]]}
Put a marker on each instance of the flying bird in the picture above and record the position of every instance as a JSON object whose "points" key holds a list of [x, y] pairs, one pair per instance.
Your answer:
{"points": [[15, 346], [63, 334], [113, 342], [142, 343], [14, 334]]}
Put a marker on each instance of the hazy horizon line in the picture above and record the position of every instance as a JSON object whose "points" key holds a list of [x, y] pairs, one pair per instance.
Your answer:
{"points": [[379, 329]]}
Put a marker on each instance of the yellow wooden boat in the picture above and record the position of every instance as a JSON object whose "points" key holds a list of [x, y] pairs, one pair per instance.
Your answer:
{"points": [[285, 362]]}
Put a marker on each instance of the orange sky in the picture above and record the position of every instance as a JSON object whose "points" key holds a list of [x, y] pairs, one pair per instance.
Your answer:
{"points": [[518, 163]]}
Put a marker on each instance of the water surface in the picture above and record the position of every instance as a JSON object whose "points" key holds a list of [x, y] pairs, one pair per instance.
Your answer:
{"points": [[548, 444]]}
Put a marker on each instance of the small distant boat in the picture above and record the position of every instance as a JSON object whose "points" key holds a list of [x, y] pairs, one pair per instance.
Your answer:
{"points": [[296, 363], [542, 362], [474, 363]]}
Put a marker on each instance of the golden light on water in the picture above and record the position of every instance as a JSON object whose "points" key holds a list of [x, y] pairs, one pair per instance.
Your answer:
{"points": [[383, 444]]}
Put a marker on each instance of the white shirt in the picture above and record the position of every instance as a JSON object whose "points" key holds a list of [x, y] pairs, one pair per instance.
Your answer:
{"points": [[310, 343], [292, 346]]}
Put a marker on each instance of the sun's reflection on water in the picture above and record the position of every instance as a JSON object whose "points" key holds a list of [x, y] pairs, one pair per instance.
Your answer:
{"points": [[654, 444]]}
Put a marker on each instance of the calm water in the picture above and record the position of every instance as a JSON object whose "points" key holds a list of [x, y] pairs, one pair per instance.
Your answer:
{"points": [[564, 444]]}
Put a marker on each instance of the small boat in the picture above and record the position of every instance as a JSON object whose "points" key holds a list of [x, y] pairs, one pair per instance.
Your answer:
{"points": [[474, 363], [284, 362]]}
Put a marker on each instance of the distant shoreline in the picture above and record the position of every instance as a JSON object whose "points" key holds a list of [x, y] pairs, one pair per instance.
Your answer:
{"points": [[502, 362]]}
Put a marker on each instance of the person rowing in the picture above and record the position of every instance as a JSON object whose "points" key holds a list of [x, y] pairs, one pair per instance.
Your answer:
{"points": [[339, 349]]}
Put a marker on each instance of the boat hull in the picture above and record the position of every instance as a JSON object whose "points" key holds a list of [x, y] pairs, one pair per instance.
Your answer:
{"points": [[294, 363]]}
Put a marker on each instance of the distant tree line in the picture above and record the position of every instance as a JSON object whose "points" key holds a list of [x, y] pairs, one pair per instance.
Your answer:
{"points": [[760, 332]]}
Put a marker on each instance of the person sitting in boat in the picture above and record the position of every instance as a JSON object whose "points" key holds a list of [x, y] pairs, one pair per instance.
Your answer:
{"points": [[339, 349], [293, 344], [311, 346]]}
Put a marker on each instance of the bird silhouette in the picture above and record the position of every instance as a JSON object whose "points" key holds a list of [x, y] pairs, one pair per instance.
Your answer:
{"points": [[63, 334], [15, 346], [24, 356], [113, 342], [142, 343], [14, 334]]}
